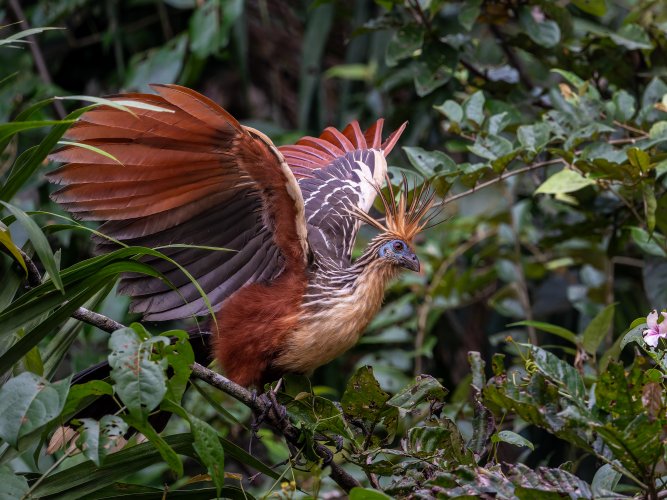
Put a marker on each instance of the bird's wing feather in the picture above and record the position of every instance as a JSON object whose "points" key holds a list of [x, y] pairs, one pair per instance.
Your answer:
{"points": [[339, 172], [190, 174]]}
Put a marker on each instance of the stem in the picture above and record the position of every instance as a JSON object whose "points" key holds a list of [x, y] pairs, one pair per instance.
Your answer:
{"points": [[501, 177]]}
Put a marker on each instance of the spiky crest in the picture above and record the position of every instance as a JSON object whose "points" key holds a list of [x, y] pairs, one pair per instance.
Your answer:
{"points": [[404, 218]]}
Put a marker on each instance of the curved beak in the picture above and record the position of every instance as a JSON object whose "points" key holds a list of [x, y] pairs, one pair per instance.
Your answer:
{"points": [[410, 261]]}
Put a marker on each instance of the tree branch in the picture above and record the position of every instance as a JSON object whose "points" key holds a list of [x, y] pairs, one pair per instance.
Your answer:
{"points": [[291, 433]]}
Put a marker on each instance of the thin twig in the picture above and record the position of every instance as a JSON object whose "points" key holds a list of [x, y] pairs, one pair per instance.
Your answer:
{"points": [[36, 54], [501, 177]]}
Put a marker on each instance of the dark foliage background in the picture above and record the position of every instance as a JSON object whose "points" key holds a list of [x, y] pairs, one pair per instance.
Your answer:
{"points": [[542, 127]]}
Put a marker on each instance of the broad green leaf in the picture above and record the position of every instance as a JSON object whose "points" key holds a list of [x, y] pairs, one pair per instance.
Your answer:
{"points": [[534, 137], [39, 242], [452, 110], [358, 493], [543, 32], [180, 356], [424, 388], [81, 394], [363, 397], [430, 163], [652, 244], [597, 329], [632, 37], [445, 440], [634, 335], [512, 438], [434, 68], [605, 480], [210, 451], [473, 108], [560, 372], [205, 28], [469, 13], [27, 403], [639, 159], [161, 65], [139, 381], [565, 181], [99, 439], [404, 43], [654, 274], [12, 485], [563, 333], [625, 105], [595, 7]]}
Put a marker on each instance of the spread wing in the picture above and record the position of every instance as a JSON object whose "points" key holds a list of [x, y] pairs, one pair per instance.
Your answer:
{"points": [[190, 174], [337, 172]]}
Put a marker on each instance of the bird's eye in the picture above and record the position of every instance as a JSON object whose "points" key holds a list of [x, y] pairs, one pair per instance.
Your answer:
{"points": [[398, 245]]}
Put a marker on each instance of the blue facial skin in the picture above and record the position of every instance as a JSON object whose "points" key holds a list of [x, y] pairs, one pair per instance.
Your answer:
{"points": [[399, 252]]}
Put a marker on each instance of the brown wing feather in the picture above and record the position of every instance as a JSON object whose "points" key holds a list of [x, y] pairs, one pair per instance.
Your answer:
{"points": [[192, 161]]}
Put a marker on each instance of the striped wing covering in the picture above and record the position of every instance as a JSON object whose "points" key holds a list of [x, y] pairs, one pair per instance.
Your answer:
{"points": [[190, 174], [337, 172]]}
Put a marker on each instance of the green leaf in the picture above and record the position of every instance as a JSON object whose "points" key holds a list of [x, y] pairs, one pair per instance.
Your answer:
{"points": [[39, 242], [625, 105], [634, 335], [632, 37], [565, 181], [205, 29], [28, 403], [210, 451], [469, 13], [430, 163], [161, 65], [534, 137], [167, 453], [452, 110], [92, 148], [25, 33], [435, 67], [405, 42], [180, 356], [650, 205], [654, 275], [543, 32], [7, 130], [595, 7], [98, 439], [81, 479], [358, 493], [473, 108], [140, 382], [563, 333], [639, 159], [6, 241], [512, 438], [605, 480], [12, 485], [424, 388], [652, 244], [560, 372], [597, 329], [445, 440], [363, 397]]}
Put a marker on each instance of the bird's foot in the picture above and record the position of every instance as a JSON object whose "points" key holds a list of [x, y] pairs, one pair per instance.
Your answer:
{"points": [[271, 409]]}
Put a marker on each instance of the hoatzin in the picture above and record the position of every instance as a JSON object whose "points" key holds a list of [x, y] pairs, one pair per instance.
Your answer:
{"points": [[287, 295]]}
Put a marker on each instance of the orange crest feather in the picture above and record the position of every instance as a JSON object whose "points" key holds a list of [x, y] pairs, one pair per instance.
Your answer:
{"points": [[404, 218]]}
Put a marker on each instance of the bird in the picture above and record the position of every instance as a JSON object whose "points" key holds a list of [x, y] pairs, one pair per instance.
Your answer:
{"points": [[267, 232]]}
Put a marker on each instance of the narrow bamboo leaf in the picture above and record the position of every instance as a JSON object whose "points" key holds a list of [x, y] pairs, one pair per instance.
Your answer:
{"points": [[120, 104], [90, 148], [29, 402], [597, 329], [7, 130], [140, 382], [166, 452], [6, 241], [25, 33], [39, 242], [563, 333]]}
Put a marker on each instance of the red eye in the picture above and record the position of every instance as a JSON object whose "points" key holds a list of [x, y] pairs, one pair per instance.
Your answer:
{"points": [[398, 245]]}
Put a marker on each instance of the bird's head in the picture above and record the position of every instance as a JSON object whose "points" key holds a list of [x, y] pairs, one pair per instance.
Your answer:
{"points": [[404, 219], [397, 252]]}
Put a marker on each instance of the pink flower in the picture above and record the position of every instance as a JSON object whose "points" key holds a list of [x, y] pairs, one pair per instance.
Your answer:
{"points": [[655, 331]]}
